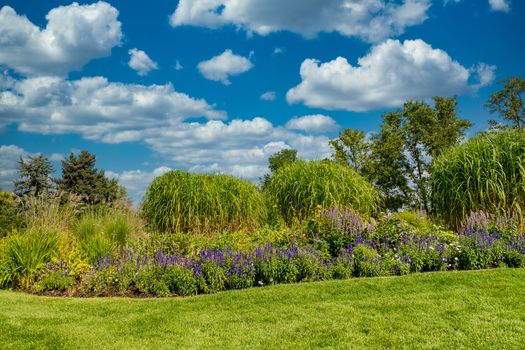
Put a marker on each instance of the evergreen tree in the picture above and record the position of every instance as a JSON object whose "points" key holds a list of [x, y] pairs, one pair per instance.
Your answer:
{"points": [[80, 177], [34, 176]]}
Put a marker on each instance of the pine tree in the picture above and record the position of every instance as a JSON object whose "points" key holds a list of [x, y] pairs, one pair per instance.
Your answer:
{"points": [[34, 176]]}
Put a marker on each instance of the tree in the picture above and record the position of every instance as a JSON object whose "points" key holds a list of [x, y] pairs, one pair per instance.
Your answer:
{"points": [[34, 176], [397, 160], [282, 158], [388, 163], [80, 177], [352, 149], [509, 102], [428, 132]]}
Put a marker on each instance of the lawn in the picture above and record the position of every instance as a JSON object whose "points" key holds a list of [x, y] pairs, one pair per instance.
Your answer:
{"points": [[452, 310]]}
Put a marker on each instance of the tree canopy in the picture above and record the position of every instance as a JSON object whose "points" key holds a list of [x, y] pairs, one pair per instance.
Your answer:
{"points": [[33, 176], [81, 178], [508, 102]]}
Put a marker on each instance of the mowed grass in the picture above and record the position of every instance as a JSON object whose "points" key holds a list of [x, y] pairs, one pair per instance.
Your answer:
{"points": [[452, 310]]}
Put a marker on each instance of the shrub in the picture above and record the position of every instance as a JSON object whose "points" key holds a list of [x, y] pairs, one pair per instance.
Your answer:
{"points": [[22, 255], [117, 228], [367, 262], [182, 202], [93, 243], [54, 278], [180, 281], [486, 173], [301, 188]]}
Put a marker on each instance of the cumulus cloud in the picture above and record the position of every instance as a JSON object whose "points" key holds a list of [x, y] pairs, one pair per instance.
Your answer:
{"points": [[140, 62], [74, 35], [137, 181], [391, 73], [370, 20], [96, 108], [9, 157], [237, 147], [221, 67], [156, 116], [316, 123], [500, 5], [268, 96]]}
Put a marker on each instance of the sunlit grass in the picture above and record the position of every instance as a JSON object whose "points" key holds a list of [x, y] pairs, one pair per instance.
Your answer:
{"points": [[452, 310], [486, 173], [182, 202], [301, 187]]}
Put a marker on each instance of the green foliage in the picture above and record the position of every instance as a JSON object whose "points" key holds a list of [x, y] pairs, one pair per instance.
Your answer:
{"points": [[53, 280], [486, 173], [213, 278], [21, 256], [389, 165], [118, 228], [34, 176], [182, 202], [351, 149], [180, 281], [281, 159], [94, 244], [367, 262], [301, 188], [81, 178], [277, 161], [509, 102], [401, 153], [9, 220]]}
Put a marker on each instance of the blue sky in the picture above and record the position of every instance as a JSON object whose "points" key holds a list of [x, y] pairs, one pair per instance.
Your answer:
{"points": [[220, 85]]}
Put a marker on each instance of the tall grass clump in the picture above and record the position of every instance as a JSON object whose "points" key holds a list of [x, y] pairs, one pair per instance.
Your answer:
{"points": [[22, 255], [301, 187], [182, 202], [487, 173]]}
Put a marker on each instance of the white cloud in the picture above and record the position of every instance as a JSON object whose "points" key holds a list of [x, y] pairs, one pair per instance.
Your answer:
{"points": [[140, 62], [178, 66], [137, 181], [485, 74], [316, 123], [221, 67], [156, 116], [97, 109], [269, 96], [371, 20], [238, 147], [56, 157], [278, 51], [9, 157], [391, 73], [500, 5], [74, 35]]}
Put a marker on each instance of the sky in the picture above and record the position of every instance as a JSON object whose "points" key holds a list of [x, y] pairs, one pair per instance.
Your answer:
{"points": [[218, 86]]}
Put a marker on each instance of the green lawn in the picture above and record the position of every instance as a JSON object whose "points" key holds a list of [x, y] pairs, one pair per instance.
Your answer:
{"points": [[476, 309]]}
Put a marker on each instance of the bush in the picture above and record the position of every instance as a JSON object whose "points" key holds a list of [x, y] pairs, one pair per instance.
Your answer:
{"points": [[301, 188], [94, 244], [21, 256], [182, 202], [486, 173], [54, 278]]}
